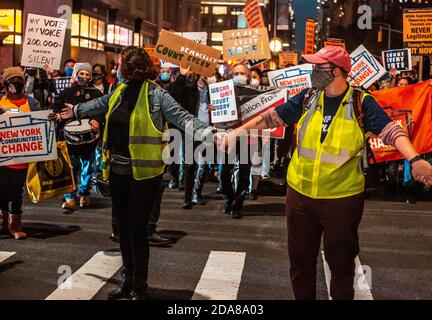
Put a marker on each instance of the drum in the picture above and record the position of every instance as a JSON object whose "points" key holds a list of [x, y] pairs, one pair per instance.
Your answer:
{"points": [[78, 132]]}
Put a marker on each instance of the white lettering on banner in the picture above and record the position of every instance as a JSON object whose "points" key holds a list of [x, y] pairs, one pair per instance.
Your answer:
{"points": [[26, 138], [365, 68], [295, 78], [399, 59], [43, 41]]}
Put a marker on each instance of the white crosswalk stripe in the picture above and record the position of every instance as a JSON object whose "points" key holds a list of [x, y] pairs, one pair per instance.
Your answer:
{"points": [[90, 278], [362, 290], [221, 277], [5, 255]]}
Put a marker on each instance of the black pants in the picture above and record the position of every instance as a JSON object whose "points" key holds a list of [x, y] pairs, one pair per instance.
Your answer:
{"points": [[155, 212], [132, 200], [307, 219], [11, 189]]}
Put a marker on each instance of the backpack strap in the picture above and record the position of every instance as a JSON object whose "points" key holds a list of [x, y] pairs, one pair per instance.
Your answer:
{"points": [[307, 98]]}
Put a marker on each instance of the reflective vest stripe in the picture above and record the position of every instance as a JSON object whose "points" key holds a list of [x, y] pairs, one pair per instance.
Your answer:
{"points": [[147, 163], [145, 140]]}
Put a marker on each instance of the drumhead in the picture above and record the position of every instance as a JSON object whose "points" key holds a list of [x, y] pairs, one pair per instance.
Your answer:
{"points": [[78, 126]]}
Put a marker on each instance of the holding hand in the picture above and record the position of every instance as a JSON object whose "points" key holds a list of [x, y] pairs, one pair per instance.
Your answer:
{"points": [[94, 126], [184, 71], [422, 171], [67, 112]]}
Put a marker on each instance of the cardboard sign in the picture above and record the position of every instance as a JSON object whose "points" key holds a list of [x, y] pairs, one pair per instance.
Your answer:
{"points": [[43, 41], [199, 37], [287, 58], [246, 44], [150, 51], [310, 36], [417, 31], [61, 84], [253, 14], [334, 42], [399, 59], [222, 97], [187, 53], [365, 68], [296, 79], [26, 138]]}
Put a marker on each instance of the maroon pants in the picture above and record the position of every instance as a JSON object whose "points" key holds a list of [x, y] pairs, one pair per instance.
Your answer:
{"points": [[307, 220]]}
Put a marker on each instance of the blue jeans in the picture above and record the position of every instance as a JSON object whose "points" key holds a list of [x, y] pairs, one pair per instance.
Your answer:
{"points": [[84, 166]]}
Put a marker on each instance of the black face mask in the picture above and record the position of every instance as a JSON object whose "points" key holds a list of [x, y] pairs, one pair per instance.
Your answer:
{"points": [[31, 72], [97, 76], [82, 82], [321, 78], [16, 86]]}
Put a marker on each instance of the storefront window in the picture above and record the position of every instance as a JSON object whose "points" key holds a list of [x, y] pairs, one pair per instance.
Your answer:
{"points": [[7, 18], [84, 26], [11, 22], [93, 28], [110, 34], [220, 10], [18, 19], [90, 32], [101, 32], [75, 24]]}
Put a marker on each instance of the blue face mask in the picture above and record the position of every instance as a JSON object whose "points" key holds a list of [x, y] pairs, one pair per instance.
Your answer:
{"points": [[120, 77], [68, 71], [165, 76], [240, 80]]}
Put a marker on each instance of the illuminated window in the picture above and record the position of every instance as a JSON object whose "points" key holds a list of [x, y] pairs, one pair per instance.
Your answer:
{"points": [[205, 10], [75, 24], [220, 10], [117, 35], [130, 38], [8, 40], [84, 26], [74, 42], [17, 39], [216, 36], [93, 28], [100, 47], [101, 31], [136, 39], [84, 43], [7, 17], [110, 33], [18, 17]]}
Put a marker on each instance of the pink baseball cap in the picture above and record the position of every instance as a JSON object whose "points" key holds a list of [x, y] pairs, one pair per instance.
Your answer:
{"points": [[336, 55]]}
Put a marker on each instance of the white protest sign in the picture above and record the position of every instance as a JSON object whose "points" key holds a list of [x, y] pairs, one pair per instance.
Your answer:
{"points": [[26, 138], [200, 37], [222, 97], [400, 59], [296, 78], [365, 68], [43, 41]]}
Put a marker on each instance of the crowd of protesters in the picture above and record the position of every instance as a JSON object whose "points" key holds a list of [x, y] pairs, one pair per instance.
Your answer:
{"points": [[175, 95]]}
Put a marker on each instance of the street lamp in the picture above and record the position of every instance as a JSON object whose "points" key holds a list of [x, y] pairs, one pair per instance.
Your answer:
{"points": [[275, 45]]}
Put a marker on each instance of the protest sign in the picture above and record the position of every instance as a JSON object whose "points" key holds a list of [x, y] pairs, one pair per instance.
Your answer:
{"points": [[295, 78], [253, 102], [255, 62], [199, 37], [246, 44], [222, 97], [365, 68], [61, 83], [150, 51], [399, 59], [410, 107], [26, 137], [417, 30], [287, 58], [310, 36], [43, 41], [187, 53], [253, 14], [334, 42]]}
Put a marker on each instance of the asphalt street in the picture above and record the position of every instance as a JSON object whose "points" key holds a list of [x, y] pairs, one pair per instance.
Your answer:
{"points": [[212, 256]]}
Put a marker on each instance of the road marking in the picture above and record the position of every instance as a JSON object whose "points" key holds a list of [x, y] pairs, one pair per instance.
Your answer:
{"points": [[220, 279], [90, 278], [362, 289], [5, 255]]}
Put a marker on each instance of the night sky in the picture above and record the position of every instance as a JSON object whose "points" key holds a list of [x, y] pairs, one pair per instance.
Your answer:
{"points": [[303, 9]]}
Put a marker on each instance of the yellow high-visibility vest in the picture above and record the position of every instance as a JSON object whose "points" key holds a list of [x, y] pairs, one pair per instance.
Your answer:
{"points": [[331, 169], [145, 140]]}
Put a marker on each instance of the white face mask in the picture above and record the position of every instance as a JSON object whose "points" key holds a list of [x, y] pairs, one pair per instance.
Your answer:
{"points": [[240, 80], [255, 82], [211, 80]]}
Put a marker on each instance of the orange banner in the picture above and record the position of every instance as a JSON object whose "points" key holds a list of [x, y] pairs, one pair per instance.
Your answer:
{"points": [[411, 107], [310, 36], [253, 14]]}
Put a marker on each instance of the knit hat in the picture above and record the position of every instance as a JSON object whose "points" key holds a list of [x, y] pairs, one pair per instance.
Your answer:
{"points": [[81, 66]]}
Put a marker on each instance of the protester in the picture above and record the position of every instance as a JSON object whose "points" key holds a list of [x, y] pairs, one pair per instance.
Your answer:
{"points": [[134, 168], [82, 152], [99, 78], [13, 177], [330, 200], [165, 78]]}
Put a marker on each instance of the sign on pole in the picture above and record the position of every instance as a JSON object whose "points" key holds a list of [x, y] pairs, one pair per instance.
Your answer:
{"points": [[296, 78], [334, 42], [417, 31], [253, 14], [246, 44], [26, 137], [222, 97], [365, 69], [43, 41], [399, 59], [187, 53], [287, 58]]}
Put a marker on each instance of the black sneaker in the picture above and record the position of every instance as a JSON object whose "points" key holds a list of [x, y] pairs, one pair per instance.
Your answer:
{"points": [[236, 214], [187, 205], [156, 240]]}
